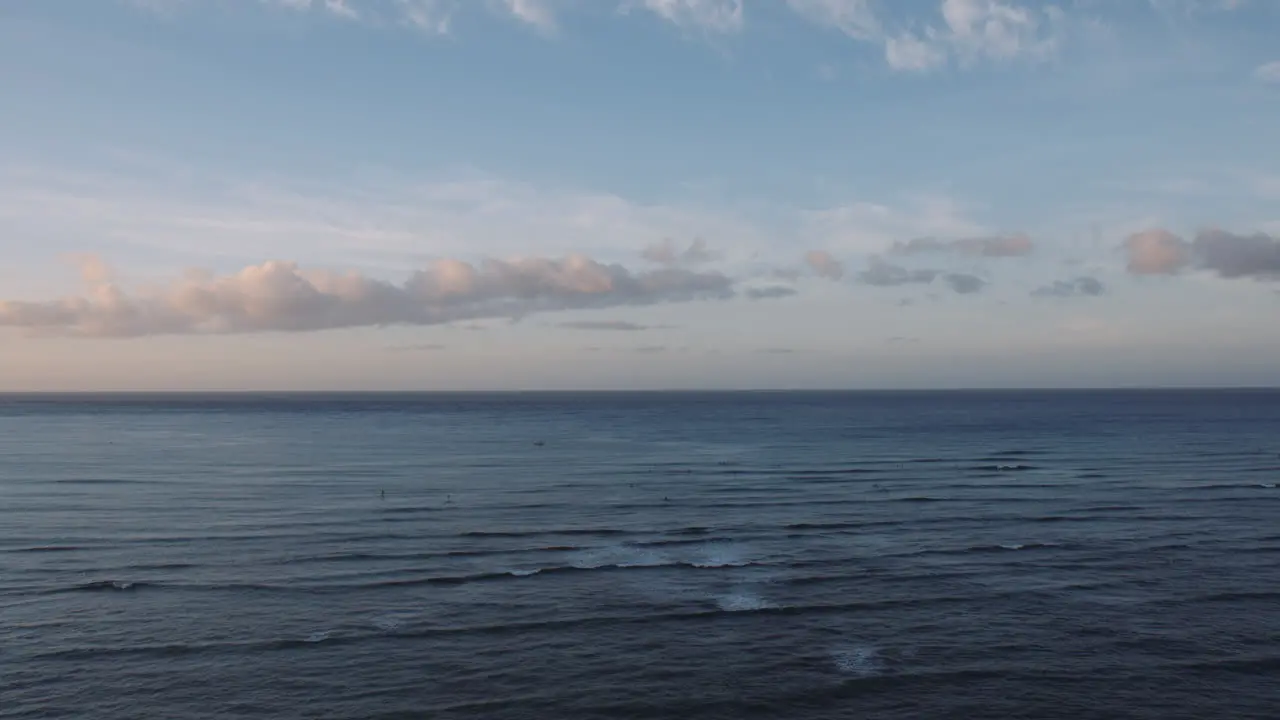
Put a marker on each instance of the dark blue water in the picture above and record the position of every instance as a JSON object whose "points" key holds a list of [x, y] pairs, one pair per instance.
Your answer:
{"points": [[999, 555]]}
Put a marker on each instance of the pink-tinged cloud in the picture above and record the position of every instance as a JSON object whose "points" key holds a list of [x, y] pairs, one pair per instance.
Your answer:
{"points": [[824, 265], [1230, 256], [1156, 252], [278, 296]]}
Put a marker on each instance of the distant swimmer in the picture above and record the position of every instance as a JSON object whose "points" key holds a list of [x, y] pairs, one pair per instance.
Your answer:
{"points": [[382, 494], [539, 443]]}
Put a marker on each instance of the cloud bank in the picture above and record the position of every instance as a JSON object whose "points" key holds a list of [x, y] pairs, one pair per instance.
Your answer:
{"points": [[1228, 255], [278, 296]]}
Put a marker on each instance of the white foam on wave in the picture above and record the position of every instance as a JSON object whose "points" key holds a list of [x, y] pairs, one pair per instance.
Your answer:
{"points": [[1013, 546], [524, 573], [859, 661], [321, 636], [743, 601]]}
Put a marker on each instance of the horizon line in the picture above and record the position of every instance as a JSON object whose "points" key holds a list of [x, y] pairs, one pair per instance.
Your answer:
{"points": [[623, 391]]}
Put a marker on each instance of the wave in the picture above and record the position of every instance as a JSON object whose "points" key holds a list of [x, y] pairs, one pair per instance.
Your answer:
{"points": [[1007, 547], [593, 532], [47, 549], [859, 661], [743, 601], [1001, 468], [107, 586]]}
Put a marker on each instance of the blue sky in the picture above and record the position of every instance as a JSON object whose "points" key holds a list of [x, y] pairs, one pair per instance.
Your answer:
{"points": [[441, 194]]}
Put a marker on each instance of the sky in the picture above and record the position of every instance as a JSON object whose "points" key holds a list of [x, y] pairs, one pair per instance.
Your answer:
{"points": [[638, 194]]}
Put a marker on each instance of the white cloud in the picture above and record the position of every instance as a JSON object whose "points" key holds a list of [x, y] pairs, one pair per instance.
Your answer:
{"points": [[1268, 73], [534, 12], [976, 30], [908, 52], [430, 16], [340, 8], [720, 16], [855, 18]]}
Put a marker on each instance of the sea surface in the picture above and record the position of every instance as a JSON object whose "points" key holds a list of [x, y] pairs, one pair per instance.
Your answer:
{"points": [[683, 555]]}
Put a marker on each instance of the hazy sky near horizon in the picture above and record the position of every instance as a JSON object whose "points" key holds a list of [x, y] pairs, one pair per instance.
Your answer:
{"points": [[440, 194]]}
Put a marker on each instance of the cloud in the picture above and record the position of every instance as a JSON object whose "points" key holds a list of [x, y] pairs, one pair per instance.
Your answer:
{"points": [[1233, 256], [855, 18], [996, 246], [886, 274], [1078, 287], [1268, 73], [650, 349], [1156, 252], [881, 273], [822, 263], [975, 30], [434, 17], [534, 12], [963, 31], [964, 283], [424, 347], [776, 351], [771, 292], [718, 16], [278, 296], [617, 325], [910, 53], [1230, 256], [665, 253]]}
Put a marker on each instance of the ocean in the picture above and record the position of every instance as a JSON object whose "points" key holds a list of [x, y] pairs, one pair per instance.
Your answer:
{"points": [[641, 555]]}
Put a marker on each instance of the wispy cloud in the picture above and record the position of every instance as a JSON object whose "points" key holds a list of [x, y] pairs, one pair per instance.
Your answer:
{"points": [[881, 273], [1077, 287], [1268, 73], [855, 18], [996, 246], [279, 296], [960, 31], [966, 31], [717, 16], [666, 253], [613, 325], [534, 12], [770, 292], [424, 347]]}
